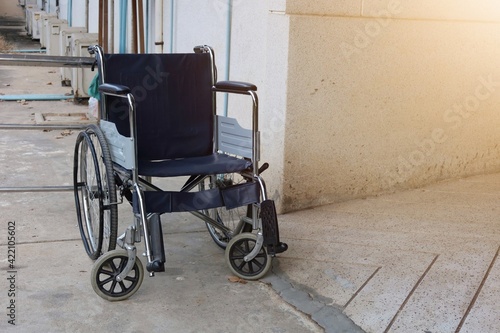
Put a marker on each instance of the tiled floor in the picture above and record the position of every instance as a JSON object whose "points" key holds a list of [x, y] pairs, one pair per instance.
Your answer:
{"points": [[417, 261]]}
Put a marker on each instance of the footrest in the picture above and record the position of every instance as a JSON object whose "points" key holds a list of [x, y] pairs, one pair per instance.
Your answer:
{"points": [[156, 266], [157, 246], [270, 228], [281, 247]]}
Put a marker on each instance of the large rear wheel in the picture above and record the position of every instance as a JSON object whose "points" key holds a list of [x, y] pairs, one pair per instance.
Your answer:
{"points": [[95, 192], [230, 218]]}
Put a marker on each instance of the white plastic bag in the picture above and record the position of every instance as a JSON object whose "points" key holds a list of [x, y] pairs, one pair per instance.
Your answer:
{"points": [[93, 107]]}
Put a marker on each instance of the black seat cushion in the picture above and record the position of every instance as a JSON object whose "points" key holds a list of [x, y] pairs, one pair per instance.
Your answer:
{"points": [[202, 165]]}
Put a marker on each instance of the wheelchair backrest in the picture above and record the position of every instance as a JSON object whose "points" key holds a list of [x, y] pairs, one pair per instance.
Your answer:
{"points": [[174, 102]]}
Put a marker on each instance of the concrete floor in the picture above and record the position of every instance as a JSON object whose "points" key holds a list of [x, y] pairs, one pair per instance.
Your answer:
{"points": [[417, 261]]}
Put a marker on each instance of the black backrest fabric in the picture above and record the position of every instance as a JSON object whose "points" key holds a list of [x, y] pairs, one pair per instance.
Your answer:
{"points": [[173, 94]]}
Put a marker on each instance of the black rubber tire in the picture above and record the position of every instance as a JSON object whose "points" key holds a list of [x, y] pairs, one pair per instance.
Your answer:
{"points": [[95, 192]]}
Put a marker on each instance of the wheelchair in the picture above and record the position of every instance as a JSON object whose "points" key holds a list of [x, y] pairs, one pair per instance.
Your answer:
{"points": [[158, 119]]}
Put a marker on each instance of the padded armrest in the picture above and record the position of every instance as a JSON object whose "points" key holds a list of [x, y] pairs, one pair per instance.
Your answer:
{"points": [[114, 89], [235, 86]]}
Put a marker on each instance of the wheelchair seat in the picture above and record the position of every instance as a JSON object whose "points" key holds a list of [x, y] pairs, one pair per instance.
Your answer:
{"points": [[200, 165]]}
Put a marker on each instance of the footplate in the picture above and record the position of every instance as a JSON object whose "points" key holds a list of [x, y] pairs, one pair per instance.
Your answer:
{"points": [[270, 228]]}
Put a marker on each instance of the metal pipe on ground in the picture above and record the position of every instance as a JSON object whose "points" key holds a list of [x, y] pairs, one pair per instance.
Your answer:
{"points": [[7, 59], [29, 51], [36, 189], [40, 127], [35, 97]]}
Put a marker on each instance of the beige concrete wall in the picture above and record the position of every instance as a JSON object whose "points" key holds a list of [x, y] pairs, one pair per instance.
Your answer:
{"points": [[388, 94]]}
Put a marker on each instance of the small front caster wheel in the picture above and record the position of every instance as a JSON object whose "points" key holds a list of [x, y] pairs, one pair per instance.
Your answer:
{"points": [[105, 271], [238, 248]]}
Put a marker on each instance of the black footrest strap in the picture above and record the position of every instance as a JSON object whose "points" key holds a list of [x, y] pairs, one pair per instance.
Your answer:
{"points": [[270, 228]]}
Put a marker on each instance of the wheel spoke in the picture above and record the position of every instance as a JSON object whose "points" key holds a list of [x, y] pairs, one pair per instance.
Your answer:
{"points": [[241, 250], [122, 285], [106, 281], [123, 263], [113, 287], [131, 278], [103, 271], [240, 257], [261, 254], [250, 267], [241, 265], [257, 263], [246, 246]]}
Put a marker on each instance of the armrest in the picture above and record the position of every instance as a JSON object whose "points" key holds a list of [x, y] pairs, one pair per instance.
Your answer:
{"points": [[114, 89], [235, 86], [245, 88]]}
